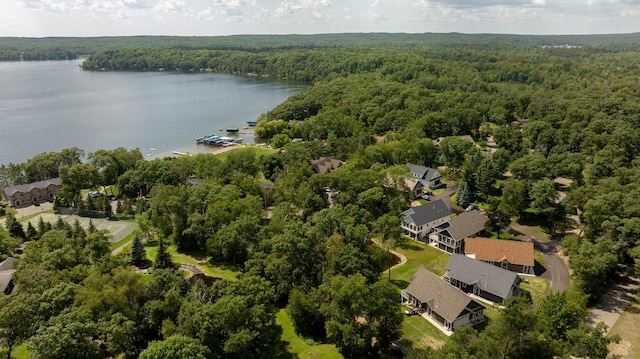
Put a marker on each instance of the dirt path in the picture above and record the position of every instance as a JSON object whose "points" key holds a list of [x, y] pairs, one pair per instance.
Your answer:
{"points": [[614, 303], [117, 251]]}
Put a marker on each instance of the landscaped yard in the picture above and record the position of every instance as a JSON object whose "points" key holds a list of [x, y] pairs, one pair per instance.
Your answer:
{"points": [[195, 259], [417, 332], [536, 286], [304, 348], [628, 328], [418, 254], [258, 151]]}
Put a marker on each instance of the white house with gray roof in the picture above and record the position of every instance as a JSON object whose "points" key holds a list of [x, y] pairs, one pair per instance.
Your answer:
{"points": [[430, 177], [438, 299], [450, 236], [417, 222], [482, 279]]}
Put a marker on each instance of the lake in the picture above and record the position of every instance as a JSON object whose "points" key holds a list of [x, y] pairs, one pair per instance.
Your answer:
{"points": [[51, 105]]}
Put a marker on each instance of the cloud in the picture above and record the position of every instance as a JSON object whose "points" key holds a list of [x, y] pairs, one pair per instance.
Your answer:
{"points": [[206, 14], [373, 12], [136, 4], [47, 5], [291, 8], [172, 6], [482, 3]]}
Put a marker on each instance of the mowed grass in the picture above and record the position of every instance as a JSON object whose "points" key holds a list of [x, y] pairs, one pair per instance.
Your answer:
{"points": [[417, 332], [418, 255], [628, 328], [121, 242], [536, 286], [304, 348], [215, 271], [258, 151]]}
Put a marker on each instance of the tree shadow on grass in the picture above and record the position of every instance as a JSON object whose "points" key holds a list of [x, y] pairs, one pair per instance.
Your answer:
{"points": [[400, 283], [407, 244]]}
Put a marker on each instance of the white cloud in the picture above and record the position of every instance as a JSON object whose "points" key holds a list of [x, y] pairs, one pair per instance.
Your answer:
{"points": [[136, 4], [206, 14], [47, 5], [172, 5]]}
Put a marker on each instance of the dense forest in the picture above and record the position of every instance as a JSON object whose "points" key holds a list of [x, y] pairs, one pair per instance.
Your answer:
{"points": [[302, 241]]}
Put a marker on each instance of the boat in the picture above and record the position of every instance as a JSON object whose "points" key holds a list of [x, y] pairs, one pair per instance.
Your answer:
{"points": [[233, 129], [152, 149], [238, 140], [251, 123]]}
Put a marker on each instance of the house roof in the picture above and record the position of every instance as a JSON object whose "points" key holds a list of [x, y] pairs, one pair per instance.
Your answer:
{"points": [[7, 264], [426, 173], [487, 277], [442, 297], [324, 165], [498, 250], [426, 213], [10, 191], [467, 224]]}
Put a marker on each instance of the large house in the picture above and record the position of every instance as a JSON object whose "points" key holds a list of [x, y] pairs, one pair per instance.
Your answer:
{"points": [[515, 256], [32, 193], [417, 222], [430, 176], [324, 165], [482, 279], [441, 301], [450, 236]]}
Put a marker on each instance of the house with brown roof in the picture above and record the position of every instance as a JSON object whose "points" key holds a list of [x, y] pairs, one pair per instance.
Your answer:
{"points": [[32, 193], [482, 279], [442, 302], [324, 165], [450, 236], [515, 256]]}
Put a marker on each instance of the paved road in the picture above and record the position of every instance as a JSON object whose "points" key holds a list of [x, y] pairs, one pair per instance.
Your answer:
{"points": [[555, 271], [614, 303]]}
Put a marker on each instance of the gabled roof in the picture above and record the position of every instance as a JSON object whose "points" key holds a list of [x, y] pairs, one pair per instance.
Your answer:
{"points": [[498, 250], [487, 277], [10, 191], [442, 297], [426, 213], [324, 165], [426, 173], [467, 224]]}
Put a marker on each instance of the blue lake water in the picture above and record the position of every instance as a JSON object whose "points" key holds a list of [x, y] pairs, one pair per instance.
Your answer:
{"points": [[52, 105]]}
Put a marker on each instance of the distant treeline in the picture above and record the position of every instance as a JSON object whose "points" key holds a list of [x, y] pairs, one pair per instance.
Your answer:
{"points": [[53, 48]]}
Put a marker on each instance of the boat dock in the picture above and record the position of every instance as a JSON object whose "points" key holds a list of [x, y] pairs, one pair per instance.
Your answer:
{"points": [[214, 140]]}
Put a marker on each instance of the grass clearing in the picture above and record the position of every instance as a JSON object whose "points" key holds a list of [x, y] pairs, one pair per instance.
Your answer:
{"points": [[531, 231], [33, 215], [304, 348], [536, 286], [418, 255], [195, 259], [417, 332], [628, 328], [257, 151]]}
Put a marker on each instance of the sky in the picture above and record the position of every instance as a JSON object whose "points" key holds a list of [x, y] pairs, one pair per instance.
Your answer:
{"points": [[42, 18]]}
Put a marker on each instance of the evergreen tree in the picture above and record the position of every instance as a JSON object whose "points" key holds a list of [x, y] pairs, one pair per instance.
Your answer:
{"points": [[107, 207], [163, 259], [14, 227], [92, 227], [32, 232], [42, 227], [464, 197], [60, 224], [137, 250], [119, 207]]}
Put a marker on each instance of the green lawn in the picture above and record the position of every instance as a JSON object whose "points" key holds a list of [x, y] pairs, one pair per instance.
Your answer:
{"points": [[258, 151], [193, 258], [304, 348], [418, 254], [417, 332], [536, 286]]}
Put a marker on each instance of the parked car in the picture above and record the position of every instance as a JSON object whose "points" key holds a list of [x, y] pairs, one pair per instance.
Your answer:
{"points": [[94, 194], [410, 312], [424, 196], [471, 207]]}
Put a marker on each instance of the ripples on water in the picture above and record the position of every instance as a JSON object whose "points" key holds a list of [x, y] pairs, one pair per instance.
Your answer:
{"points": [[52, 105]]}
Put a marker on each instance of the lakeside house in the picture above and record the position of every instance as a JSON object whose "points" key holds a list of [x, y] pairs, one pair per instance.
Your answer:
{"points": [[441, 301], [32, 193], [515, 256], [482, 279], [324, 165], [430, 177], [417, 222], [450, 236]]}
